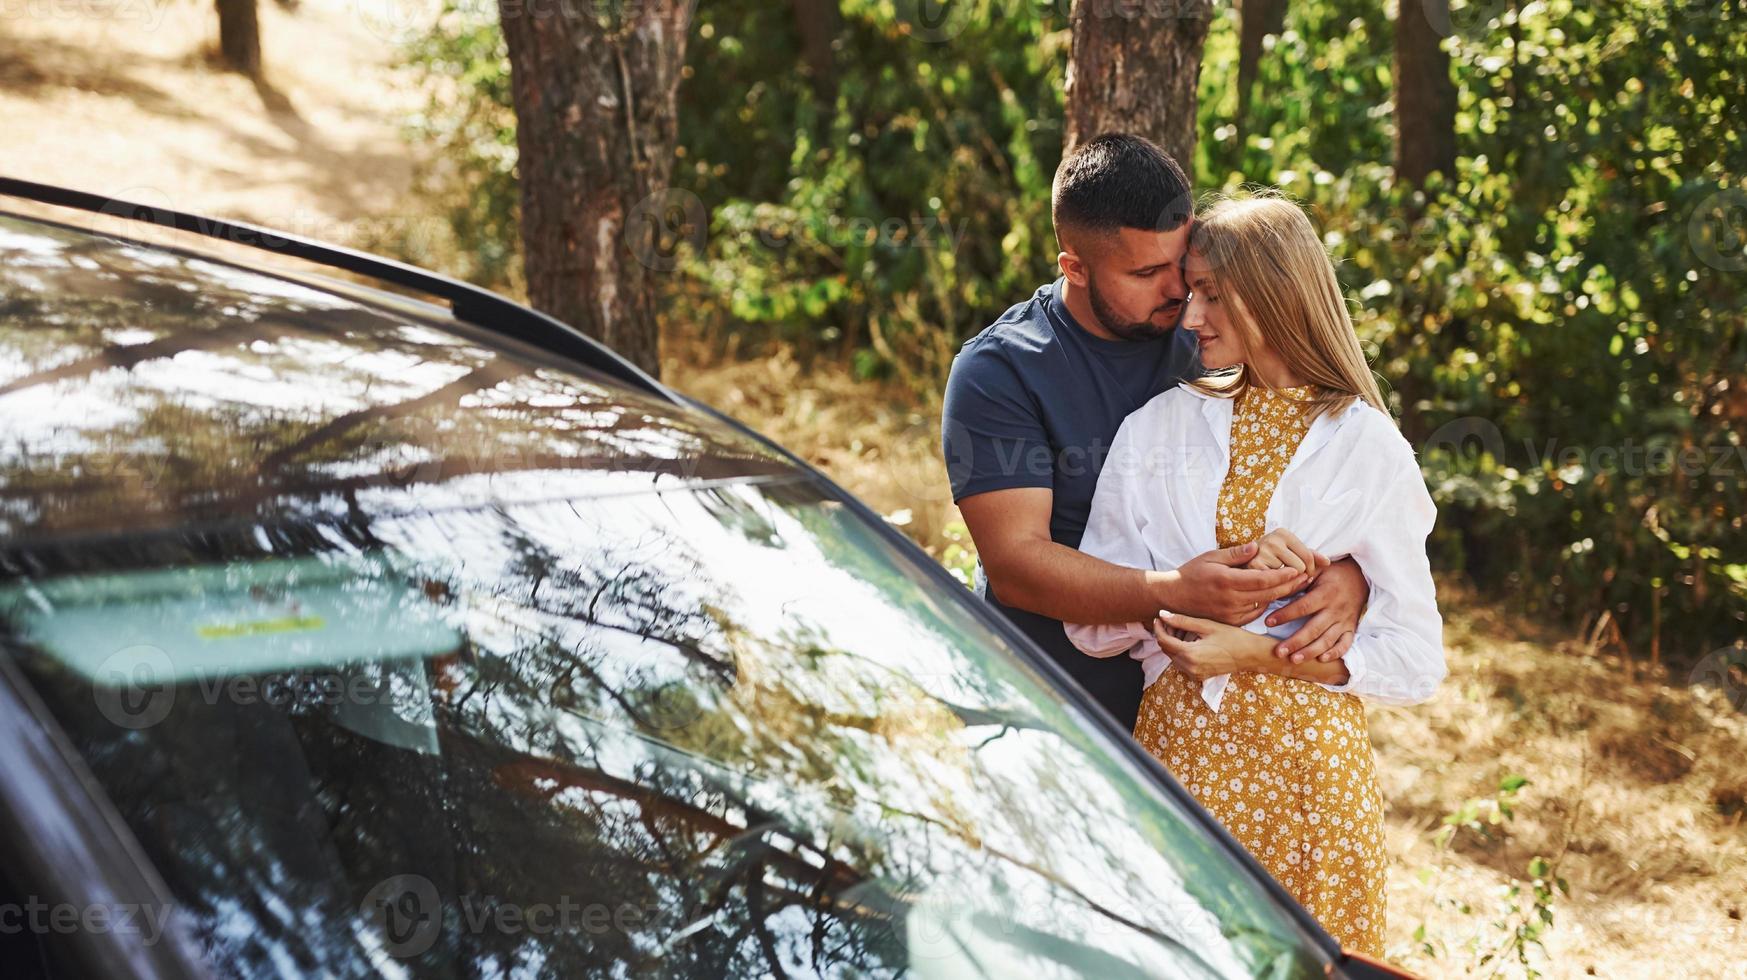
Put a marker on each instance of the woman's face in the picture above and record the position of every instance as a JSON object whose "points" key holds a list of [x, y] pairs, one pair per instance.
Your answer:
{"points": [[1211, 318]]}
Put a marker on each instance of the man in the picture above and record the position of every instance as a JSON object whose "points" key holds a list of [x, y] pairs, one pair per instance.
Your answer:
{"points": [[1034, 401]]}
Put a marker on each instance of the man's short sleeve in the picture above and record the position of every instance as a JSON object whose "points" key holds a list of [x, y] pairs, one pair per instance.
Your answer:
{"points": [[991, 431]]}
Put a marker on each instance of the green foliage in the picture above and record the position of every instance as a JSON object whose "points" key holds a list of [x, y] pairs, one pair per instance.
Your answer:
{"points": [[891, 221], [1523, 915], [959, 556], [470, 125], [1560, 321]]}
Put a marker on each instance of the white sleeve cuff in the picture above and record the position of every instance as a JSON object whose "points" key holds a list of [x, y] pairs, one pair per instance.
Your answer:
{"points": [[1355, 662]]}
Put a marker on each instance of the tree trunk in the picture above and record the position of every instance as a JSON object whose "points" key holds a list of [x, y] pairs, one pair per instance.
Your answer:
{"points": [[596, 126], [239, 36], [817, 21], [1257, 20], [1425, 98], [1134, 68]]}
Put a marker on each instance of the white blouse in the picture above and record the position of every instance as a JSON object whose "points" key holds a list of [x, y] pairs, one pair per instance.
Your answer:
{"points": [[1353, 488]]}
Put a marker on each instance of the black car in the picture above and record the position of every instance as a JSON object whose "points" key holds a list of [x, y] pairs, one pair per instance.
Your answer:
{"points": [[387, 628]]}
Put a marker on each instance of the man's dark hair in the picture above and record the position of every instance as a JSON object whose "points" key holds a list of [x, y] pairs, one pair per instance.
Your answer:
{"points": [[1116, 180]]}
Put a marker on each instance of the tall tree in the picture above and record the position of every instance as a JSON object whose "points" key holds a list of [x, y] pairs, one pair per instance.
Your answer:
{"points": [[594, 88], [1134, 68], [1425, 98], [1257, 20], [817, 22], [239, 36]]}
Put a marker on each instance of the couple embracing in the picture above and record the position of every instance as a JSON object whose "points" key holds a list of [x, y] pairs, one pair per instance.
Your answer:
{"points": [[1184, 484]]}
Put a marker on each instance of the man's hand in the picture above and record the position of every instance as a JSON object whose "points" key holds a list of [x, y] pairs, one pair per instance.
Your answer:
{"points": [[1217, 586], [1333, 604]]}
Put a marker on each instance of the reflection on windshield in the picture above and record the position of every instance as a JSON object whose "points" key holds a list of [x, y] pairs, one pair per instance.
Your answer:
{"points": [[724, 722], [406, 655], [144, 389]]}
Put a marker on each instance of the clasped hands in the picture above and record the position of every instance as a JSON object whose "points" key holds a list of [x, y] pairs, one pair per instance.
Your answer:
{"points": [[1334, 595]]}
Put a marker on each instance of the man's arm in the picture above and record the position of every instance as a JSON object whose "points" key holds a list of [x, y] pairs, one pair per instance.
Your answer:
{"points": [[1028, 570]]}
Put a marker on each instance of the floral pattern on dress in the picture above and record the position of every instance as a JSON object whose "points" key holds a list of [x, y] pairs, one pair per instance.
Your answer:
{"points": [[1285, 764]]}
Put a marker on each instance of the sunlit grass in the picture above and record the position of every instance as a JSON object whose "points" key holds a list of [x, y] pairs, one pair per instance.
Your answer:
{"points": [[1635, 778]]}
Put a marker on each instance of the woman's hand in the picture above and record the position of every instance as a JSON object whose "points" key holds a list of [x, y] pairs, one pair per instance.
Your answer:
{"points": [[1202, 648], [1281, 548]]}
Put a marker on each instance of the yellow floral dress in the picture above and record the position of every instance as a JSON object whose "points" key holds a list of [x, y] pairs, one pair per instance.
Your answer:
{"points": [[1285, 764]]}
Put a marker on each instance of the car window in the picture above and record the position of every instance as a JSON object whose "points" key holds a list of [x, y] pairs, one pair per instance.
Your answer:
{"points": [[403, 652], [703, 732]]}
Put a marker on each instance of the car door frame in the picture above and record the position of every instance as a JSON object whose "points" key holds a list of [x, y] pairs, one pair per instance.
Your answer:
{"points": [[64, 841]]}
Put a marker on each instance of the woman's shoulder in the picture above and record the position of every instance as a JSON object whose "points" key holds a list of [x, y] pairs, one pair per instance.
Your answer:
{"points": [[1370, 432]]}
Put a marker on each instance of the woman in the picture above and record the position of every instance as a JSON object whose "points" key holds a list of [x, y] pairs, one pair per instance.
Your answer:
{"points": [[1286, 448]]}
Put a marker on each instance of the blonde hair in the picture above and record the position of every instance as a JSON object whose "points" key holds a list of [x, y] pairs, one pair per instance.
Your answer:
{"points": [[1266, 256]]}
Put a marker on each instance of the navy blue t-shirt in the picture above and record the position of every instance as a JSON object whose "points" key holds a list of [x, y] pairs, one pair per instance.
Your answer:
{"points": [[1035, 401]]}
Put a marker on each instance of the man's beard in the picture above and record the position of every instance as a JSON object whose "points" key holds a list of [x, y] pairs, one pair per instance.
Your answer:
{"points": [[1126, 329]]}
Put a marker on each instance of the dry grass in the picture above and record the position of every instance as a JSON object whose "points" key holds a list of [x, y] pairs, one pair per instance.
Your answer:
{"points": [[121, 97], [882, 442], [1639, 782], [1636, 780]]}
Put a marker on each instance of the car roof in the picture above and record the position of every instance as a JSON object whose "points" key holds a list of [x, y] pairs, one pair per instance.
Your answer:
{"points": [[147, 386]]}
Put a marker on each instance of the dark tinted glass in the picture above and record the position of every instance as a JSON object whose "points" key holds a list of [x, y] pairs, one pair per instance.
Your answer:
{"points": [[556, 681]]}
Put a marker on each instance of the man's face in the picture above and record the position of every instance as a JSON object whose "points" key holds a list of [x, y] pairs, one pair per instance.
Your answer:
{"points": [[1134, 280]]}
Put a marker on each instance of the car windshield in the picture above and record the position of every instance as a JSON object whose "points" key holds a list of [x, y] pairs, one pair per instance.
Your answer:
{"points": [[532, 676]]}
